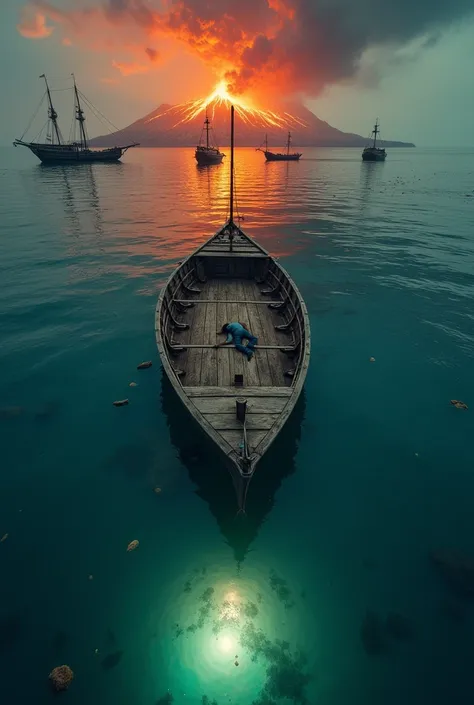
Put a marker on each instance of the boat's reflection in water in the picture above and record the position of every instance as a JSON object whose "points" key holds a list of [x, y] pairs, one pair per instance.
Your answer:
{"points": [[207, 470]]}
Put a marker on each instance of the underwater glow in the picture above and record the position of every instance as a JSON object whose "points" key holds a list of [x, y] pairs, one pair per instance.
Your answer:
{"points": [[227, 643]]}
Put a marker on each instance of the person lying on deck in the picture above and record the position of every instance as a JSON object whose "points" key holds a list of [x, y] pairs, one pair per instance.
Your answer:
{"points": [[236, 333]]}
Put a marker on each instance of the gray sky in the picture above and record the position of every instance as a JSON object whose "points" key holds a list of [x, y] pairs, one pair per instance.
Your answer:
{"points": [[418, 80]]}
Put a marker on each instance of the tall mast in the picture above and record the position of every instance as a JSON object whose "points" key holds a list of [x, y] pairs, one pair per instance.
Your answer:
{"points": [[206, 122], [80, 116], [288, 145], [376, 130], [231, 218], [266, 142], [52, 114]]}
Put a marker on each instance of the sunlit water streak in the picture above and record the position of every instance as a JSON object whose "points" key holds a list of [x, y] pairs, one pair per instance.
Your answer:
{"points": [[376, 470]]}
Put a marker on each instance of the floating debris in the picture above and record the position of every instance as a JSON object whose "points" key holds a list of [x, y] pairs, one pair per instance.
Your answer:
{"points": [[157, 490], [96, 651], [133, 545], [144, 365], [61, 677], [236, 663], [4, 538], [133, 384], [459, 404], [121, 402], [371, 359]]}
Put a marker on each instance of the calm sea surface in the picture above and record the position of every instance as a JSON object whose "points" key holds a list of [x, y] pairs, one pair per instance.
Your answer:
{"points": [[374, 471]]}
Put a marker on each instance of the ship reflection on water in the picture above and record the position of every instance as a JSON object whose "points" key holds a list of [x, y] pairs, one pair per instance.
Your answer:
{"points": [[206, 468]]}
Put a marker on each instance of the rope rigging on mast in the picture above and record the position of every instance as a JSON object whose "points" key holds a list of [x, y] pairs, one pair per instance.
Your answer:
{"points": [[55, 148]]}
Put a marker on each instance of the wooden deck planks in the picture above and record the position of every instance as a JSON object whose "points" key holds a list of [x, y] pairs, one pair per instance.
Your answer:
{"points": [[261, 356], [209, 375], [194, 355], [276, 359], [194, 391], [252, 367], [225, 422], [223, 356], [209, 367], [226, 405], [235, 438], [231, 292]]}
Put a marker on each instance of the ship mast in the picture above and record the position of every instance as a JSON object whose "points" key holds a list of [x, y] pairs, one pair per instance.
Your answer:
{"points": [[266, 142], [52, 114], [376, 130], [206, 122], [80, 115], [288, 144], [231, 218]]}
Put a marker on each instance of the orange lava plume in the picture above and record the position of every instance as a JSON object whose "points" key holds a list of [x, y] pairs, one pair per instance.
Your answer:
{"points": [[244, 107]]}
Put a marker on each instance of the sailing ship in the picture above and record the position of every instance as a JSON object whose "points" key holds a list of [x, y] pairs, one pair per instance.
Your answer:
{"points": [[56, 150], [373, 153], [278, 156], [241, 406], [207, 154]]}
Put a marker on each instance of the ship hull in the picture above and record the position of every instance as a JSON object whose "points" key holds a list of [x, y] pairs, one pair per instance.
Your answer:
{"points": [[70, 154], [373, 156], [206, 158], [272, 157]]}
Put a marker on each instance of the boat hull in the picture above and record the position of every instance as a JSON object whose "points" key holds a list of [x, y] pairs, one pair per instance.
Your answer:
{"points": [[206, 158], [374, 156], [211, 382], [71, 154], [272, 157]]}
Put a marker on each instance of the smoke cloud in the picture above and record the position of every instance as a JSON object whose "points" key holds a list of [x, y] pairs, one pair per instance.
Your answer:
{"points": [[281, 45]]}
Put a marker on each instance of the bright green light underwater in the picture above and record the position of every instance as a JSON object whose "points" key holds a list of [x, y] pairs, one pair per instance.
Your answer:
{"points": [[230, 642]]}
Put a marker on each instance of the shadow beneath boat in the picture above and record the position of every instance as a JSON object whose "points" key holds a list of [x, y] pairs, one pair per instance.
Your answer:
{"points": [[207, 470]]}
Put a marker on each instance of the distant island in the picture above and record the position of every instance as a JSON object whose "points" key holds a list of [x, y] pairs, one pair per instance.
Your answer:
{"points": [[164, 127]]}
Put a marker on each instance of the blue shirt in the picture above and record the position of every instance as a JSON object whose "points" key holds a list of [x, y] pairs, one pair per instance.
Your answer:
{"points": [[232, 329]]}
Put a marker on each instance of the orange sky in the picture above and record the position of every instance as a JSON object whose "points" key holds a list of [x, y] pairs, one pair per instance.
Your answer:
{"points": [[132, 55]]}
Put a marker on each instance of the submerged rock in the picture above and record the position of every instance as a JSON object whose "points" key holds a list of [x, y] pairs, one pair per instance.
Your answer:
{"points": [[372, 634], [133, 545], [61, 677]]}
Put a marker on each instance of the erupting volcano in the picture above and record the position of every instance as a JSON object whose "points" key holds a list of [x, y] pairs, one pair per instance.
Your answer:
{"points": [[247, 112], [180, 125]]}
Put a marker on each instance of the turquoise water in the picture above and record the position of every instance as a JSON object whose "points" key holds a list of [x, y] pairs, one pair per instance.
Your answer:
{"points": [[373, 471]]}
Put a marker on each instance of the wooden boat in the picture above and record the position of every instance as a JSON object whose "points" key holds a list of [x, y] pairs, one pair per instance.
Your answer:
{"points": [[373, 153], [241, 405], [56, 150], [280, 156], [207, 154]]}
